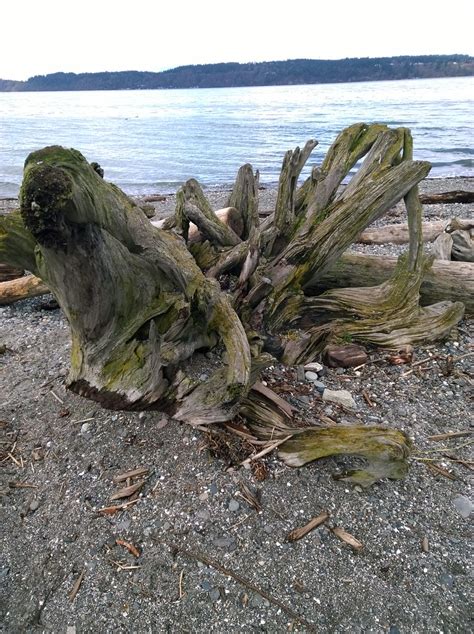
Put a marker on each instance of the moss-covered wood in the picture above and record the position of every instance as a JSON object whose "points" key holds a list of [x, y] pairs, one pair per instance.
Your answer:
{"points": [[145, 303], [138, 305]]}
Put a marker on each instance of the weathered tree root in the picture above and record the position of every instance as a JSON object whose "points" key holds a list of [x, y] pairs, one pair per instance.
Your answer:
{"points": [[144, 303]]}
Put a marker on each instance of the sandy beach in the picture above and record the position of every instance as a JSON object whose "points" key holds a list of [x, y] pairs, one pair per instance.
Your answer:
{"points": [[191, 554]]}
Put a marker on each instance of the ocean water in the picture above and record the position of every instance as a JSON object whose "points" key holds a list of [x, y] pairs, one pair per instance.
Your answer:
{"points": [[153, 140]]}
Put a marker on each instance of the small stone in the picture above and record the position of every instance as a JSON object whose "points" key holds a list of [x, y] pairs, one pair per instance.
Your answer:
{"points": [[166, 526], [225, 542], [346, 356], [203, 515], [313, 367], [203, 377], [34, 505], [213, 489], [311, 376], [319, 386], [234, 505], [463, 505], [85, 427], [341, 397], [447, 580], [4, 572], [304, 399], [393, 630], [258, 601], [203, 496], [214, 595], [206, 586]]}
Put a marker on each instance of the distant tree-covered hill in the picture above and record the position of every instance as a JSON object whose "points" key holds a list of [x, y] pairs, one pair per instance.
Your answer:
{"points": [[297, 71]]}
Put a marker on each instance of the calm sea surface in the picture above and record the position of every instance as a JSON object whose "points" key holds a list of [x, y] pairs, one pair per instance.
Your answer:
{"points": [[153, 140]]}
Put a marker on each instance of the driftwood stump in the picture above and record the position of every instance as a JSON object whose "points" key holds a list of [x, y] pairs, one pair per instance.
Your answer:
{"points": [[144, 303]]}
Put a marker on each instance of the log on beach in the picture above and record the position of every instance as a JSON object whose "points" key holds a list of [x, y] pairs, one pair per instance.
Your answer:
{"points": [[21, 288], [457, 196], [399, 233], [445, 280]]}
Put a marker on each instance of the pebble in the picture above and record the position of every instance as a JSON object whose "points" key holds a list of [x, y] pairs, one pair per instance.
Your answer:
{"points": [[214, 595], [34, 505], [447, 580], [463, 505], [319, 386], [313, 367], [311, 376], [213, 489], [225, 542], [206, 586], [341, 397], [203, 515], [203, 377], [234, 505], [257, 601], [85, 427]]}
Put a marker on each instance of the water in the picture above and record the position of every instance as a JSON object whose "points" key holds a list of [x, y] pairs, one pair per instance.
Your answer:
{"points": [[153, 140]]}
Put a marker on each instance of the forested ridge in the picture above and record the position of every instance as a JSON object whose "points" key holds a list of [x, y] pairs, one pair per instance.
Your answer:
{"points": [[277, 73]]}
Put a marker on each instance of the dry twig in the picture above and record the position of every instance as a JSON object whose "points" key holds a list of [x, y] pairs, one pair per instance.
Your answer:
{"points": [[242, 580], [298, 533], [76, 586]]}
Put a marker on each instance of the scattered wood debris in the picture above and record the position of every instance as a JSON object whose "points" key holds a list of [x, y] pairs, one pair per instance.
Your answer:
{"points": [[437, 470], [22, 485], [247, 583], [367, 398], [56, 397], [134, 473], [346, 537], [450, 434], [129, 546], [298, 533], [251, 498], [127, 491], [401, 356], [111, 510], [76, 586], [260, 470]]}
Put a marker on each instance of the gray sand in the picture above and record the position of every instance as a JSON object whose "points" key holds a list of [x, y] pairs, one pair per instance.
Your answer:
{"points": [[204, 552]]}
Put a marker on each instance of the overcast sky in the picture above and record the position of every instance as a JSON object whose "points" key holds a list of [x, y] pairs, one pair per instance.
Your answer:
{"points": [[45, 36]]}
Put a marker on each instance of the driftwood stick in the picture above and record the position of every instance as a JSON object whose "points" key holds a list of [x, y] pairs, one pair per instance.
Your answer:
{"points": [[456, 196], [398, 233], [21, 288]]}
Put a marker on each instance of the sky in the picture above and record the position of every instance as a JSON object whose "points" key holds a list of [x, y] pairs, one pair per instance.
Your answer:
{"points": [[45, 36]]}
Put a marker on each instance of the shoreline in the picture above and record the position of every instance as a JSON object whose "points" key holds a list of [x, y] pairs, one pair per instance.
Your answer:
{"points": [[218, 194]]}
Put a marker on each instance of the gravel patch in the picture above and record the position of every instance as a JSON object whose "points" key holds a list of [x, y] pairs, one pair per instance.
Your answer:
{"points": [[207, 560]]}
